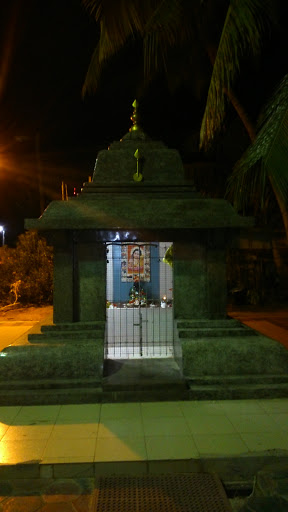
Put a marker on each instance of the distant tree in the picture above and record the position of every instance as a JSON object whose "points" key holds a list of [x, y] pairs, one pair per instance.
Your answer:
{"points": [[6, 273], [28, 270]]}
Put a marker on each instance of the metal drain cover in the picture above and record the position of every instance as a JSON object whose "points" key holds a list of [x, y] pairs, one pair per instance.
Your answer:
{"points": [[178, 492]]}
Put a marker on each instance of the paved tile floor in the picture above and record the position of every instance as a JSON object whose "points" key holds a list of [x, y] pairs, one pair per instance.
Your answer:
{"points": [[135, 438], [141, 431]]}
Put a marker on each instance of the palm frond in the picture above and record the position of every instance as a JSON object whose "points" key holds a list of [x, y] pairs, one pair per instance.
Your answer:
{"points": [[267, 157], [160, 23], [93, 74], [245, 23], [166, 27], [119, 20]]}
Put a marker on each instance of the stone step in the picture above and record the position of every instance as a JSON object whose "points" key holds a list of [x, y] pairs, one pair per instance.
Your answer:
{"points": [[28, 393], [83, 394], [224, 322], [44, 384], [166, 386], [224, 380], [65, 337], [75, 334], [237, 392], [74, 327], [212, 332], [80, 395]]}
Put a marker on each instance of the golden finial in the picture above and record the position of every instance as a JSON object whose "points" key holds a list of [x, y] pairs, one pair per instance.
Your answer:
{"points": [[135, 117]]}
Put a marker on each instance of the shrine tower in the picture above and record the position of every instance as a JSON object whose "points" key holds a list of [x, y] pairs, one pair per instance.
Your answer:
{"points": [[139, 196]]}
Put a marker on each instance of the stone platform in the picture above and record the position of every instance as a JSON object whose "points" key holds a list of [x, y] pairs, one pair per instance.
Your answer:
{"points": [[221, 359]]}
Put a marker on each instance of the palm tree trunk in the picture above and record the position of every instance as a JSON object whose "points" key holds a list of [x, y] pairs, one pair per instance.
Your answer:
{"points": [[243, 115], [250, 128]]}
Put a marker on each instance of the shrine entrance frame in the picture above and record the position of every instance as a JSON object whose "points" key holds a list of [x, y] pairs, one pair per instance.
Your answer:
{"points": [[139, 292]]}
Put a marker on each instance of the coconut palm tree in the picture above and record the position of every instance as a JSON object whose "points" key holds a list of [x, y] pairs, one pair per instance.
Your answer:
{"points": [[164, 24], [266, 159]]}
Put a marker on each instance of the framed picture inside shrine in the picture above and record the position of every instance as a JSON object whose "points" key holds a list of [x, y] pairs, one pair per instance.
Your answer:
{"points": [[135, 263]]}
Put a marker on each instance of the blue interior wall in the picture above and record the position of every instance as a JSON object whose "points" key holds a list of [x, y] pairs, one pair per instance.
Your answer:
{"points": [[121, 290]]}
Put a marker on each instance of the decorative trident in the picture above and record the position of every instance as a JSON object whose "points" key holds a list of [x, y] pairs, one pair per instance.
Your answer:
{"points": [[137, 176]]}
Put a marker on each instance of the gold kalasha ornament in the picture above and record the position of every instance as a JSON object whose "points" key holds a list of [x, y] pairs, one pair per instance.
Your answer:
{"points": [[135, 117]]}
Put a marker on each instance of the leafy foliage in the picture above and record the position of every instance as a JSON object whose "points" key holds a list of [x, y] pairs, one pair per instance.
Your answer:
{"points": [[30, 265], [168, 258], [160, 24], [119, 21], [267, 158], [245, 24], [165, 24]]}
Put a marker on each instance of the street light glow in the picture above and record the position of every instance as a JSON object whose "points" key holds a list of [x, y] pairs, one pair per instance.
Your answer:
{"points": [[2, 230]]}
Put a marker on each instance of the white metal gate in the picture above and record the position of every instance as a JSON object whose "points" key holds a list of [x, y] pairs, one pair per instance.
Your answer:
{"points": [[139, 301]]}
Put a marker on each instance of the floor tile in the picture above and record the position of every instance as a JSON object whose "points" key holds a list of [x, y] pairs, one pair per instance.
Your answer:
{"points": [[161, 409], [124, 449], [74, 431], [254, 423], [241, 406], [221, 444], [121, 428], [165, 427], [265, 441], [281, 419], [3, 429], [201, 407], [70, 448], [14, 452], [214, 424], [79, 413], [33, 415], [274, 405], [170, 447], [7, 414], [122, 410], [15, 432]]}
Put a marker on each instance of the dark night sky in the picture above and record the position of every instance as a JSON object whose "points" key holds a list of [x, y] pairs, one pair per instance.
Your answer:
{"points": [[45, 49]]}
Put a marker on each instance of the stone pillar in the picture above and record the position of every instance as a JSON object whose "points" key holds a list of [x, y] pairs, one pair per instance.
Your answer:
{"points": [[63, 280], [91, 258], [216, 283], [190, 280]]}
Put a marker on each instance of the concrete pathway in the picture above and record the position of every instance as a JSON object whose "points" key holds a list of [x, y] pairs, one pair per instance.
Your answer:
{"points": [[11, 331]]}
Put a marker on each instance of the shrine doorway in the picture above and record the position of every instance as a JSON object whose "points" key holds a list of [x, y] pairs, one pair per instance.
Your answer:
{"points": [[140, 321]]}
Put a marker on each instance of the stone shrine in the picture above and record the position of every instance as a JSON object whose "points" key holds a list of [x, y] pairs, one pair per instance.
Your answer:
{"points": [[140, 198]]}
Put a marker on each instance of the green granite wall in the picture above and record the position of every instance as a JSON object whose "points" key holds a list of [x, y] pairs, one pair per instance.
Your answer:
{"points": [[190, 281], [91, 262], [63, 279]]}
